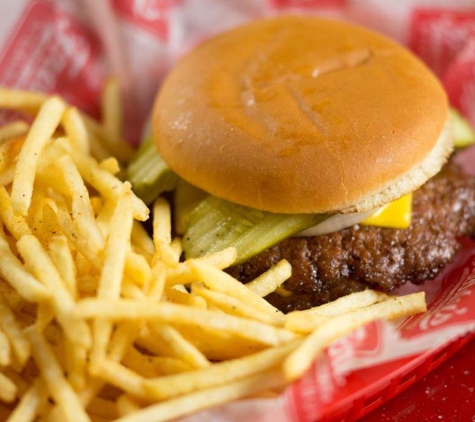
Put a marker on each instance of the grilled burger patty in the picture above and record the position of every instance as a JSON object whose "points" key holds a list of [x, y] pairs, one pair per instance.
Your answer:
{"points": [[327, 267]]}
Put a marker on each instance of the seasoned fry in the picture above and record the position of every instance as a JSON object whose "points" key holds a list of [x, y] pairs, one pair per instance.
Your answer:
{"points": [[16, 224], [41, 131], [82, 211]]}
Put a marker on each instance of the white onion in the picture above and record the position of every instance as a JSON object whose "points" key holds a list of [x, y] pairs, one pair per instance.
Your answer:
{"points": [[336, 222]]}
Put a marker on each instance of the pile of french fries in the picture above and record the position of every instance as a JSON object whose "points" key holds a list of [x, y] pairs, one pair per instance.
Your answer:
{"points": [[100, 320]]}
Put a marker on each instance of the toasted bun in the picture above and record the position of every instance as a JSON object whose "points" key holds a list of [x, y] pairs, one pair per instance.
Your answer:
{"points": [[302, 115]]}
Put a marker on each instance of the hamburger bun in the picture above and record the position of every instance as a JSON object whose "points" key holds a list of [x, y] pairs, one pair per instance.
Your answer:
{"points": [[303, 115]]}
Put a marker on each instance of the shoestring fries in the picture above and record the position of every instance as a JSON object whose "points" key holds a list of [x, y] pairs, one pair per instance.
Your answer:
{"points": [[100, 320]]}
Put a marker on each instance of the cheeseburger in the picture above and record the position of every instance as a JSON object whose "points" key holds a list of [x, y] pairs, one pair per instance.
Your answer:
{"points": [[315, 141]]}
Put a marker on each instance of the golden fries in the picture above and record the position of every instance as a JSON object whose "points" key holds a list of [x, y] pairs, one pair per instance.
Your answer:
{"points": [[100, 320]]}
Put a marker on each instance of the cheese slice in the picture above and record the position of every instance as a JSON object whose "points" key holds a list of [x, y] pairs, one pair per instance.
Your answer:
{"points": [[396, 214]]}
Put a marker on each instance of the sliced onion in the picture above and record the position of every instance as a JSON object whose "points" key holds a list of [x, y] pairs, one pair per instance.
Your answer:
{"points": [[335, 223]]}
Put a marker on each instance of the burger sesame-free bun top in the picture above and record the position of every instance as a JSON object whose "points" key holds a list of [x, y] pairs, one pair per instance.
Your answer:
{"points": [[302, 115]]}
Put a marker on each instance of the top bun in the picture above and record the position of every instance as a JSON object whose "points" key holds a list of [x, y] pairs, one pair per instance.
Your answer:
{"points": [[302, 115]]}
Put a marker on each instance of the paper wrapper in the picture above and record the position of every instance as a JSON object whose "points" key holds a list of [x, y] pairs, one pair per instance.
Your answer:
{"points": [[71, 46]]}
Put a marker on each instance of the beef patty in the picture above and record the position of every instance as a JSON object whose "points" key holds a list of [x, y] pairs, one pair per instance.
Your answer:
{"points": [[327, 267]]}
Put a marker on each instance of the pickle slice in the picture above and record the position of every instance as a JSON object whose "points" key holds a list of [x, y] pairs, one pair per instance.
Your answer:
{"points": [[186, 199], [463, 132], [149, 174], [217, 224]]}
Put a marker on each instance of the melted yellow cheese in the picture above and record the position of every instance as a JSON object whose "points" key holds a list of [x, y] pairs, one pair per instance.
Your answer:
{"points": [[396, 214]]}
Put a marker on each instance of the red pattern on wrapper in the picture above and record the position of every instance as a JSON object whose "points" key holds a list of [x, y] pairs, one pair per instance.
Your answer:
{"points": [[459, 80], [307, 4], [438, 35], [151, 15], [66, 58]]}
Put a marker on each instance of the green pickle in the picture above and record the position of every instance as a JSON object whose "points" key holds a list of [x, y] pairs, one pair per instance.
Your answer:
{"points": [[149, 174], [217, 224], [186, 199], [463, 133]]}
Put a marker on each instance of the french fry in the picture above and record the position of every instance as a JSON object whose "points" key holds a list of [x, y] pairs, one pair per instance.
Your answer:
{"points": [[17, 99], [5, 350], [107, 184], [75, 363], [120, 376], [178, 347], [126, 405], [112, 110], [205, 399], [141, 239], [7, 175], [144, 365], [114, 264], [76, 129], [234, 306], [269, 281], [301, 359], [62, 258], [38, 260], [11, 327], [167, 312], [116, 147], [16, 224], [220, 281], [30, 403], [13, 271], [162, 232], [103, 408], [41, 131], [44, 316], [53, 376], [8, 389], [221, 373], [82, 211], [348, 303], [13, 130], [11, 297], [182, 274], [111, 165], [9, 150], [193, 300]]}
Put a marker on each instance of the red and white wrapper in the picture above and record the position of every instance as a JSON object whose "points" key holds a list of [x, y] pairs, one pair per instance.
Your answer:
{"points": [[69, 47]]}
